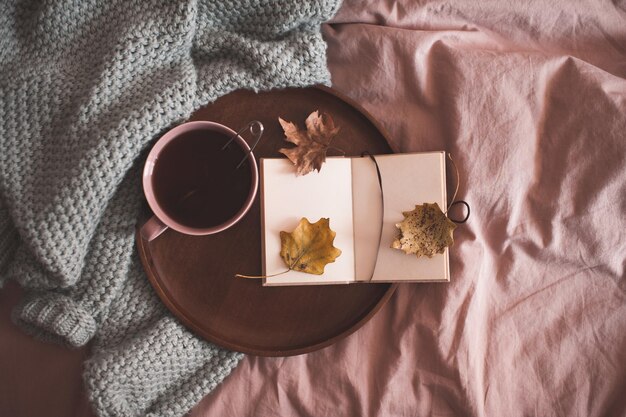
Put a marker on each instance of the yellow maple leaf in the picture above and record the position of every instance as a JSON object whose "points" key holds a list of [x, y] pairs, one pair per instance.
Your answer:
{"points": [[426, 230], [309, 248]]}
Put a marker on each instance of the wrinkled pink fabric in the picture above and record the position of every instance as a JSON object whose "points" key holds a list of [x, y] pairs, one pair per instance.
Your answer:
{"points": [[530, 99]]}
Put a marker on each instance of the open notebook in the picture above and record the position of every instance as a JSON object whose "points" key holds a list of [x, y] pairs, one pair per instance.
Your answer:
{"points": [[347, 191]]}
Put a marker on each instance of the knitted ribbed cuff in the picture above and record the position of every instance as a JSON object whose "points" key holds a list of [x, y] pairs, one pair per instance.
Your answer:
{"points": [[55, 317]]}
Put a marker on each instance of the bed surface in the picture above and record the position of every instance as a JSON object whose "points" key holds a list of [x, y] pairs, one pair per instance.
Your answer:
{"points": [[531, 102]]}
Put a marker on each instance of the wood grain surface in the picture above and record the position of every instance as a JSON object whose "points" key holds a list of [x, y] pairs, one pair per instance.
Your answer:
{"points": [[194, 275]]}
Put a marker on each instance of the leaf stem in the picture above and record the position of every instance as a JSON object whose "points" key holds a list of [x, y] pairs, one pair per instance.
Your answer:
{"points": [[260, 276]]}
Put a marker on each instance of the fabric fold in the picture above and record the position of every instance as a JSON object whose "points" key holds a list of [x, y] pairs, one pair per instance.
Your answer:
{"points": [[9, 241]]}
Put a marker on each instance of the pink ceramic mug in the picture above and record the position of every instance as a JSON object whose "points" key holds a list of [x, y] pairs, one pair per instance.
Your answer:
{"points": [[200, 178]]}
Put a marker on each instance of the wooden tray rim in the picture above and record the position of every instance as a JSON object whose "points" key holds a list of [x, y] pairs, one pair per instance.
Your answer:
{"points": [[154, 278]]}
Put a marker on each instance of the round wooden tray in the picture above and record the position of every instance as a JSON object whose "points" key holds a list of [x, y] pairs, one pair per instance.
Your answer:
{"points": [[193, 275]]}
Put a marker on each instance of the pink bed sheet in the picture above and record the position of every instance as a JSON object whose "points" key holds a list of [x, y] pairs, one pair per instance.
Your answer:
{"points": [[530, 98]]}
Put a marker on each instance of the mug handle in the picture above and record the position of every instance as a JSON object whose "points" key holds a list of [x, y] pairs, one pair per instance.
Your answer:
{"points": [[152, 229]]}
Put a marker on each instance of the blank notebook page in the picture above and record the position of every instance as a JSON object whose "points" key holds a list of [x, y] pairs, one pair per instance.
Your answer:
{"points": [[368, 216], [287, 198], [409, 179]]}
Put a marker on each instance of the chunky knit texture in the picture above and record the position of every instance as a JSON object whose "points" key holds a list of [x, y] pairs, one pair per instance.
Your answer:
{"points": [[84, 88]]}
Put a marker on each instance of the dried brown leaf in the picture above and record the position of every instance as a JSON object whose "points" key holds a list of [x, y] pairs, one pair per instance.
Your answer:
{"points": [[311, 144], [426, 230]]}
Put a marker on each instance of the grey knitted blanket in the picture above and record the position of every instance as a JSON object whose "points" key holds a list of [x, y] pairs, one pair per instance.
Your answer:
{"points": [[84, 88]]}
